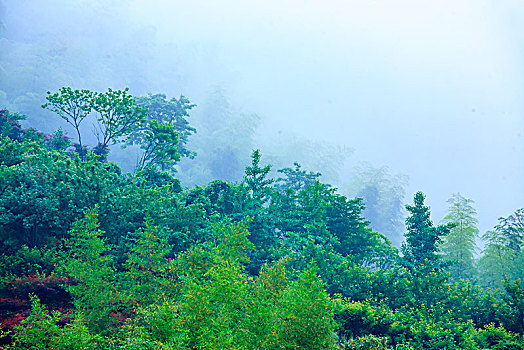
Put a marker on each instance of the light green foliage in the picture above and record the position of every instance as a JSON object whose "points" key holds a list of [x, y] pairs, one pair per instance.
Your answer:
{"points": [[156, 326], [233, 266], [118, 115], [372, 324], [305, 316], [41, 331], [72, 105], [458, 246], [89, 264], [220, 307], [358, 318], [503, 255], [498, 338], [149, 276]]}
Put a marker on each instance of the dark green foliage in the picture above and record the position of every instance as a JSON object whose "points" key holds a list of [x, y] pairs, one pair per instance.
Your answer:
{"points": [[143, 263], [256, 178], [153, 177], [59, 141], [514, 306], [43, 192], [10, 125], [171, 112], [160, 146], [356, 319], [296, 179], [422, 238]]}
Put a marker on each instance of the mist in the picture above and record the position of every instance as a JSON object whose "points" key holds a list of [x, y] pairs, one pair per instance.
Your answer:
{"points": [[432, 91]]}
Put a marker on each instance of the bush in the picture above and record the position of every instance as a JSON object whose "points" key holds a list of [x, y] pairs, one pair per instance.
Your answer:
{"points": [[493, 337]]}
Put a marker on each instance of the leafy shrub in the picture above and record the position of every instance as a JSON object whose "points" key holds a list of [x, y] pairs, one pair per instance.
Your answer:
{"points": [[356, 319], [493, 337], [41, 330], [368, 342]]}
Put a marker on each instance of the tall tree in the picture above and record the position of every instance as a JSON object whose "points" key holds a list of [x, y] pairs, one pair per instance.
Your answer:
{"points": [[512, 228], [296, 179], [256, 178], [72, 105], [459, 245], [503, 256], [257, 185], [173, 112], [495, 261], [118, 115], [420, 248], [160, 145]]}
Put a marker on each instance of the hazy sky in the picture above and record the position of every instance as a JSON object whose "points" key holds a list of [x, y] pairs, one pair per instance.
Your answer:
{"points": [[431, 89]]}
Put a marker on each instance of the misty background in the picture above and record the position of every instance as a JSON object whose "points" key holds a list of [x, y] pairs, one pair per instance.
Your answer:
{"points": [[404, 95]]}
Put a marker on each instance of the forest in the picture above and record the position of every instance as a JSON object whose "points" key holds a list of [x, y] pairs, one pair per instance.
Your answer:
{"points": [[94, 257], [276, 175]]}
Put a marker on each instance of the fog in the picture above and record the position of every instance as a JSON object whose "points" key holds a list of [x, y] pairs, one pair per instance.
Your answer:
{"points": [[429, 89]]}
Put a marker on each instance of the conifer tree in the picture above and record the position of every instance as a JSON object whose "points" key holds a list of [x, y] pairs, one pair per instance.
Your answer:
{"points": [[422, 238]]}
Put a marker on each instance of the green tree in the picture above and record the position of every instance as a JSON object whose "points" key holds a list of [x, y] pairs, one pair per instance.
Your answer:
{"points": [[72, 105], [257, 184], [172, 112], [147, 265], [90, 265], [118, 114], [256, 178], [422, 238], [43, 191], [296, 179], [503, 255], [160, 145], [458, 246], [495, 261], [512, 228]]}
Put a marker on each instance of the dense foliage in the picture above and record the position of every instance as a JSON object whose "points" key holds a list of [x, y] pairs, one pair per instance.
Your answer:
{"points": [[96, 258]]}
